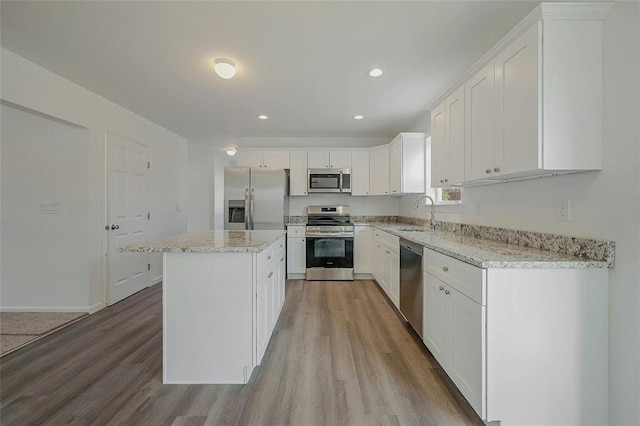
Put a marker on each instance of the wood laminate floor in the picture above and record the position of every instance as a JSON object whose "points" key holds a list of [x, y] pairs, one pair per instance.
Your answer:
{"points": [[339, 356]]}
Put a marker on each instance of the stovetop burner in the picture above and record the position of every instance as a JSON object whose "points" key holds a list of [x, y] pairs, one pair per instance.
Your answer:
{"points": [[328, 215]]}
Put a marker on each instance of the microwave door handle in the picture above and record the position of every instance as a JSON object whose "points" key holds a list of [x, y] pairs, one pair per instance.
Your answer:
{"points": [[340, 184]]}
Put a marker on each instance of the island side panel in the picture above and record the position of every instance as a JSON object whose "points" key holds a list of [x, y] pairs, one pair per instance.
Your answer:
{"points": [[207, 317], [547, 354]]}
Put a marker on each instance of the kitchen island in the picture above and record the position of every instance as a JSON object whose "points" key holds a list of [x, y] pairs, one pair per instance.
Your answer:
{"points": [[222, 294]]}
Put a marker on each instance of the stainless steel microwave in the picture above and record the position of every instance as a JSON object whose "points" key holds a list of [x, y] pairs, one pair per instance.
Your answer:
{"points": [[329, 180]]}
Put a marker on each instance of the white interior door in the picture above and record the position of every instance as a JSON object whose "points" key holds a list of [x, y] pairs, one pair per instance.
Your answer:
{"points": [[127, 164]]}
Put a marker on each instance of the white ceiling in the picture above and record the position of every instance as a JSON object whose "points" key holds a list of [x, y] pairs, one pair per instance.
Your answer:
{"points": [[304, 64]]}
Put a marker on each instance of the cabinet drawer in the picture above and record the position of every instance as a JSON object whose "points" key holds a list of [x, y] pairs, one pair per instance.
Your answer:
{"points": [[387, 239], [295, 230], [465, 278]]}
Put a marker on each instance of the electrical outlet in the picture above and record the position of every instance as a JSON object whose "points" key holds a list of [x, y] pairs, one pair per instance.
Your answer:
{"points": [[564, 209]]}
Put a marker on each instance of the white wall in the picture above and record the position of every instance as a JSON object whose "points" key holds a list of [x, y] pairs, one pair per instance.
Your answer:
{"points": [[604, 204], [43, 161], [30, 86]]}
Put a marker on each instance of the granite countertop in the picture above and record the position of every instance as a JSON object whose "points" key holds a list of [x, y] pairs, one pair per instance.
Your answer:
{"points": [[485, 253], [210, 242]]}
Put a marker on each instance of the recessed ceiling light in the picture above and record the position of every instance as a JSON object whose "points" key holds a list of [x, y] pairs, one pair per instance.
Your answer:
{"points": [[225, 68], [231, 152], [358, 117], [376, 72], [262, 117]]}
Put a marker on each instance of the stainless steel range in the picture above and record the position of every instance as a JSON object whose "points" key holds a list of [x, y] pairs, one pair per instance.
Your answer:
{"points": [[329, 236]]}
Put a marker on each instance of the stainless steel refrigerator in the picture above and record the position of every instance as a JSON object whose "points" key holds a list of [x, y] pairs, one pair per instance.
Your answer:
{"points": [[255, 198]]}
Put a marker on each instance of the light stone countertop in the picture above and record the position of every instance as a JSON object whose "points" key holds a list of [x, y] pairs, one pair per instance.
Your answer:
{"points": [[210, 242], [487, 253]]}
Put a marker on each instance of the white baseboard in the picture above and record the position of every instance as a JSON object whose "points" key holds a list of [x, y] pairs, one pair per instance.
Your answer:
{"points": [[88, 309], [156, 280], [362, 276]]}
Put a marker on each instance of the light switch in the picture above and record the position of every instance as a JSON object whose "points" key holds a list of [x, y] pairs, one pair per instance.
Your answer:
{"points": [[50, 208]]}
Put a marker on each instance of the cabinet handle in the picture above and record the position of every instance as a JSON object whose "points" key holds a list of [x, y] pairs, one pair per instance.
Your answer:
{"points": [[444, 268], [441, 288], [385, 192], [387, 251], [496, 169], [446, 180], [268, 257], [281, 259], [447, 292], [393, 190], [488, 171], [270, 275]]}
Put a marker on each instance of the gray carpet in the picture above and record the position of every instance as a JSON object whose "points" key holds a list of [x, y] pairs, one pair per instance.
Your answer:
{"points": [[18, 329]]}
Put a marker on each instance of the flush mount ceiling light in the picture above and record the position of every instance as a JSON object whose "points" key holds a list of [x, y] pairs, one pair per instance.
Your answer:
{"points": [[376, 72], [262, 117], [231, 152], [225, 68], [358, 117]]}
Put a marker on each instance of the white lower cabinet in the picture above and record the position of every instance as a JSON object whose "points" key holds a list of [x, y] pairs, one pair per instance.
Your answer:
{"points": [[386, 264], [523, 346], [270, 282], [296, 250], [362, 249], [454, 333]]}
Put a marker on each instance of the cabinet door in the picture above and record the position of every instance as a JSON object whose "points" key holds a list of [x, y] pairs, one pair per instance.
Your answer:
{"points": [[340, 159], [281, 275], [379, 170], [517, 147], [298, 173], [378, 261], [249, 158], [436, 319], [439, 153], [394, 280], [395, 166], [467, 358], [276, 159], [296, 256], [385, 273], [318, 159], [362, 249], [360, 173], [455, 137], [479, 132], [262, 320]]}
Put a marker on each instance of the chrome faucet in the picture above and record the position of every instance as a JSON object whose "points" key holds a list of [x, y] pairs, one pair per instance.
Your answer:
{"points": [[433, 210]]}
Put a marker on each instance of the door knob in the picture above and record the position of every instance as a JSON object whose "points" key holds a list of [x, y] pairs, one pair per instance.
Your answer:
{"points": [[115, 226]]}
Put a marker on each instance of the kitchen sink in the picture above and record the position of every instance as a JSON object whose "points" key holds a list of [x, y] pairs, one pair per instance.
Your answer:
{"points": [[413, 230]]}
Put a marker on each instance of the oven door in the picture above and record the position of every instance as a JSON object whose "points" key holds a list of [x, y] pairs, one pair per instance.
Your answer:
{"points": [[329, 258]]}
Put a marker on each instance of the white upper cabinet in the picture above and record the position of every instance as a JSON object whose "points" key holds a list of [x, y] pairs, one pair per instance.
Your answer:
{"points": [[533, 104], [329, 159], [447, 136], [273, 159], [479, 140], [298, 173], [379, 170], [407, 164], [360, 172]]}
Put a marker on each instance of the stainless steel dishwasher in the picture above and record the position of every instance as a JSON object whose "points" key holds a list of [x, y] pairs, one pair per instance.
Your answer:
{"points": [[411, 297]]}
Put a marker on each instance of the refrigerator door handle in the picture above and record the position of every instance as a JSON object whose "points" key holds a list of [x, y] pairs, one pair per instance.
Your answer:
{"points": [[251, 208], [246, 208]]}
